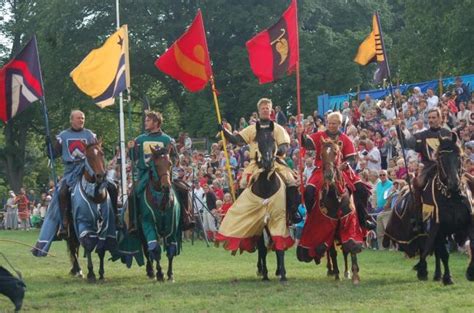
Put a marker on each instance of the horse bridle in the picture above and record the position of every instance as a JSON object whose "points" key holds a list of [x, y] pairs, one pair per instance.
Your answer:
{"points": [[155, 177], [439, 180]]}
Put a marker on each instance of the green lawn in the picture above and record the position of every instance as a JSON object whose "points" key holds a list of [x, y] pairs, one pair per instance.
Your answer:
{"points": [[211, 280]]}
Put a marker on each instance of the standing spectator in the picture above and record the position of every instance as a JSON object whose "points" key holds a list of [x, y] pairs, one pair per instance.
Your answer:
{"points": [[367, 105], [299, 227], [11, 218], [227, 203], [308, 169], [280, 116], [462, 92], [372, 156], [462, 114], [217, 189], [432, 99], [209, 213], [382, 189], [346, 112], [188, 143], [23, 209], [242, 123]]}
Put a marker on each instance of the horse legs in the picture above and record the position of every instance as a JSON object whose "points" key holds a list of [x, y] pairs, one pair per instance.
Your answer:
{"points": [[101, 264], [170, 269], [335, 268], [329, 265], [149, 262], [281, 257], [347, 274], [171, 252], [73, 247], [355, 269], [470, 268], [159, 272], [437, 274], [262, 259], [422, 268], [90, 268], [443, 253]]}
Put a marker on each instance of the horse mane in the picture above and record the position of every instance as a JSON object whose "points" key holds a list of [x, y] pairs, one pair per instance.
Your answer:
{"points": [[450, 144]]}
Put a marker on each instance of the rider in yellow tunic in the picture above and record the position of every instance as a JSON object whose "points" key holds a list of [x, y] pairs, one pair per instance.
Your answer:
{"points": [[245, 220]]}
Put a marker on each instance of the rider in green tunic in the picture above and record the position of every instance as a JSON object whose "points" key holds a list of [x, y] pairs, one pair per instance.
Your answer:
{"points": [[140, 153]]}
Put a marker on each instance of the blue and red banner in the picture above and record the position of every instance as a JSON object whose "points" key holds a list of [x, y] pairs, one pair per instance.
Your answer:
{"points": [[20, 82]]}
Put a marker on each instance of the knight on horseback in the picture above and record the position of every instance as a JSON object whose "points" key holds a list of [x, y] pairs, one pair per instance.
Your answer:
{"points": [[247, 136], [270, 197], [140, 151], [71, 146], [352, 180], [426, 144], [348, 180]]}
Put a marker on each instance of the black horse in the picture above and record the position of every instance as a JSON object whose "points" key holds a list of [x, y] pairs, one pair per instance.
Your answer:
{"points": [[446, 212], [265, 186]]}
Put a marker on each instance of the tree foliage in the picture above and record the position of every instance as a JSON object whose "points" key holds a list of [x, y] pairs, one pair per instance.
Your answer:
{"points": [[421, 43]]}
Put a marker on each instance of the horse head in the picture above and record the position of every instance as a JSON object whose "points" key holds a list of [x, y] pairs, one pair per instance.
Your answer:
{"points": [[330, 155], [95, 164], [161, 165], [449, 161], [266, 146]]}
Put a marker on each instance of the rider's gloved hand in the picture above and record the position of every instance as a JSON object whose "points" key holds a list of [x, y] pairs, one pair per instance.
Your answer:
{"points": [[220, 127]]}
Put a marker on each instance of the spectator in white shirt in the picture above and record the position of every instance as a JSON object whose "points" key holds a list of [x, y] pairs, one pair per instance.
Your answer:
{"points": [[372, 156], [432, 99], [308, 169]]}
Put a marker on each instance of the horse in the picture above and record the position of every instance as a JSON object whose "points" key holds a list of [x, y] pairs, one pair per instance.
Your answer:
{"points": [[265, 186], [159, 215], [332, 266], [92, 214], [333, 217], [446, 211]]}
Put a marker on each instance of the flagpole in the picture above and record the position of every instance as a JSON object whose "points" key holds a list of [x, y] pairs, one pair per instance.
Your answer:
{"points": [[400, 136], [219, 120], [224, 143], [46, 119], [298, 102], [123, 169]]}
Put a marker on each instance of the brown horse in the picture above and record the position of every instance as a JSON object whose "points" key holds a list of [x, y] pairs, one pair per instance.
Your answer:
{"points": [[160, 215], [336, 198], [92, 214]]}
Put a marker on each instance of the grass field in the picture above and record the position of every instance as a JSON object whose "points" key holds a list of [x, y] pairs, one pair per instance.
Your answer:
{"points": [[211, 280]]}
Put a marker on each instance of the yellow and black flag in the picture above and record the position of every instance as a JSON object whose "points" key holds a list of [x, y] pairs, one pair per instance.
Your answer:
{"points": [[372, 50], [105, 72]]}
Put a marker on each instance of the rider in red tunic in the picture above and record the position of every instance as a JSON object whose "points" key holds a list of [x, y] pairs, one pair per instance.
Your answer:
{"points": [[321, 226]]}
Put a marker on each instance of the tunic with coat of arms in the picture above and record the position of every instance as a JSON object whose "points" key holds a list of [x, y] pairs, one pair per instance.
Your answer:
{"points": [[427, 143], [72, 145]]}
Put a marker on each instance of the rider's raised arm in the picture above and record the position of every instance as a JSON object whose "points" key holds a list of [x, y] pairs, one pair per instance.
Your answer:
{"points": [[233, 139]]}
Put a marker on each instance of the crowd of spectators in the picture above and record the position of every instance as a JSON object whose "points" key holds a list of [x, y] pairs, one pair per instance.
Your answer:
{"points": [[24, 210], [369, 124]]}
